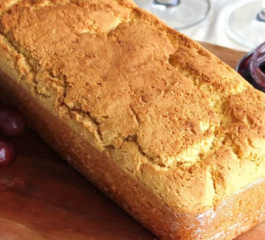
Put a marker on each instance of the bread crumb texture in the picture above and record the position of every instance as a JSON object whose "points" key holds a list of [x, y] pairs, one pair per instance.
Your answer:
{"points": [[166, 110]]}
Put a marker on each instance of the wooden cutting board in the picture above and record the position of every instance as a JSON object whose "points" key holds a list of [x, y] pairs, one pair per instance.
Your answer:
{"points": [[42, 197]]}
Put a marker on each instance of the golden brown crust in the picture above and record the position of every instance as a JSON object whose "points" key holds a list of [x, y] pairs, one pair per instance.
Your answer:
{"points": [[168, 112], [236, 215]]}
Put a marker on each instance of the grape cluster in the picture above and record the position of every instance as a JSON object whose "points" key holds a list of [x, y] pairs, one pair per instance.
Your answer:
{"points": [[12, 123]]}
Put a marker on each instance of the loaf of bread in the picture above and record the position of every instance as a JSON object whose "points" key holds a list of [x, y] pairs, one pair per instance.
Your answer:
{"points": [[159, 124]]}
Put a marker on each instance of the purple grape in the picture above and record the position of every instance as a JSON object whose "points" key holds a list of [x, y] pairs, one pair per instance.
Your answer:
{"points": [[7, 152], [12, 123]]}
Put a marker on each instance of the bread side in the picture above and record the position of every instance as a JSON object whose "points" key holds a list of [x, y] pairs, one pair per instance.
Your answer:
{"points": [[173, 116]]}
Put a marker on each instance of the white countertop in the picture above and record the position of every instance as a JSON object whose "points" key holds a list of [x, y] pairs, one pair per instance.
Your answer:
{"points": [[212, 29]]}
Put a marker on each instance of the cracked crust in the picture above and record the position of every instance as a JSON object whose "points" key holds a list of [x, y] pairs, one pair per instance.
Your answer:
{"points": [[173, 116]]}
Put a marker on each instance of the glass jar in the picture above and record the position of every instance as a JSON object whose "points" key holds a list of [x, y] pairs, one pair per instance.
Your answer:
{"points": [[252, 67]]}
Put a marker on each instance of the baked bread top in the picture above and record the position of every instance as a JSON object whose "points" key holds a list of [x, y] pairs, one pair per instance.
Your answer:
{"points": [[169, 112]]}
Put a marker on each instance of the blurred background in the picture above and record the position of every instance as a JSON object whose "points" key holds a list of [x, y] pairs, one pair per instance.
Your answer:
{"points": [[212, 28]]}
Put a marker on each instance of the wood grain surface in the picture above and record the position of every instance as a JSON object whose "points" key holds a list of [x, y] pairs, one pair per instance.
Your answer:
{"points": [[42, 197]]}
